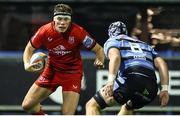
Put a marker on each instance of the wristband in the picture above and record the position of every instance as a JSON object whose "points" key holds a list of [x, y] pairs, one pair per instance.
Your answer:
{"points": [[111, 77], [164, 87]]}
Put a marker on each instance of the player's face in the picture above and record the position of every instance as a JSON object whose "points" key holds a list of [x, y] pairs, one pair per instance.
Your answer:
{"points": [[62, 23]]}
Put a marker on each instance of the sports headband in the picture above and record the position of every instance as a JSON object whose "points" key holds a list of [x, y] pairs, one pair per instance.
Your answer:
{"points": [[62, 13]]}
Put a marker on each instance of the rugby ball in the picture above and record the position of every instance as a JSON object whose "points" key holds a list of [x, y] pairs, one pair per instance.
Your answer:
{"points": [[40, 58]]}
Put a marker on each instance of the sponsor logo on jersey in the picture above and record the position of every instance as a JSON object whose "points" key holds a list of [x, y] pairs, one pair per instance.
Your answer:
{"points": [[71, 40], [88, 41], [59, 50], [139, 57]]}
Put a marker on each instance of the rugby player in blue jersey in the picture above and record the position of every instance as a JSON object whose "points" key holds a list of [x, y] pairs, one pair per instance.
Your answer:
{"points": [[131, 80]]}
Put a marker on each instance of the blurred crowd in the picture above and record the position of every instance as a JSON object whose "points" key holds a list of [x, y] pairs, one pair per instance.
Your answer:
{"points": [[162, 39]]}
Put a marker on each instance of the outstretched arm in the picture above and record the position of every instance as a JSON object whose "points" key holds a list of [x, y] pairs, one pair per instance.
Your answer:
{"points": [[99, 60], [164, 79]]}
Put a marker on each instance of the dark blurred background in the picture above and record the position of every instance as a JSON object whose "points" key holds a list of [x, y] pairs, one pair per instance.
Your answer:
{"points": [[20, 19], [154, 21]]}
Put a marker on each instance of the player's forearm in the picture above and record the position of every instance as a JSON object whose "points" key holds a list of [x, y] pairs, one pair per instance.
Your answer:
{"points": [[29, 50], [100, 55], [164, 75], [163, 71], [99, 52], [114, 64]]}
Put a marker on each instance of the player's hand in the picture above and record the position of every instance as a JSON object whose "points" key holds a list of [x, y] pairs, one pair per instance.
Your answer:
{"points": [[35, 67], [98, 64], [107, 93], [164, 98], [109, 88]]}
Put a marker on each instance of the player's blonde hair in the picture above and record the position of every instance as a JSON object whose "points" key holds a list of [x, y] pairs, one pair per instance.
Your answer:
{"points": [[62, 9]]}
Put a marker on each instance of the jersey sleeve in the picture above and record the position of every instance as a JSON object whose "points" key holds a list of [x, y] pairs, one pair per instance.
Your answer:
{"points": [[36, 40], [110, 43], [87, 41]]}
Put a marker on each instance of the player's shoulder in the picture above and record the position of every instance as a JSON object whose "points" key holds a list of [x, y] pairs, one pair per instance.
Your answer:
{"points": [[47, 26], [134, 39], [77, 27], [111, 42], [115, 39]]}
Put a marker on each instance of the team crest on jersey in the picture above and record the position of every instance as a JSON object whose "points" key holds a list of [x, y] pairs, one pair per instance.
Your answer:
{"points": [[71, 40], [88, 41]]}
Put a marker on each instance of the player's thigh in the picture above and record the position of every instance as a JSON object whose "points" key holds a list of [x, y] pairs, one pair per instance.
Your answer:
{"points": [[107, 95], [70, 101], [36, 94]]}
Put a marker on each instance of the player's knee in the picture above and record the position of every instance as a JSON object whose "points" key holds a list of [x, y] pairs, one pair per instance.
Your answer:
{"points": [[91, 104], [68, 111], [26, 106], [88, 104]]}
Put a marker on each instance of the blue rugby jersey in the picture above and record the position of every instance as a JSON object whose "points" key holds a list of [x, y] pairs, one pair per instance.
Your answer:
{"points": [[133, 52]]}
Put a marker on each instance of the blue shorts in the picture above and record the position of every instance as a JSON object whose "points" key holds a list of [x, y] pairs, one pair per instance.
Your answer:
{"points": [[139, 89]]}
